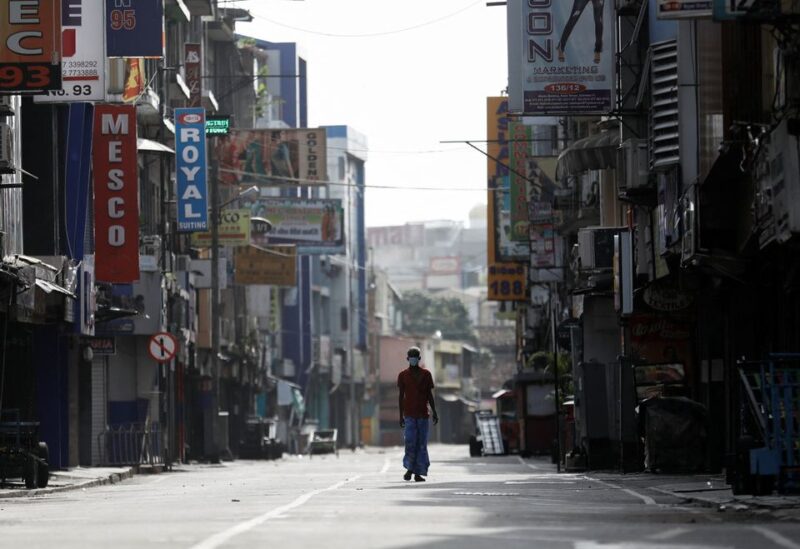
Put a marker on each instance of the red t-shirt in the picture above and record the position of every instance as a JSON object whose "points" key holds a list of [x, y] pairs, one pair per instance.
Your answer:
{"points": [[415, 392]]}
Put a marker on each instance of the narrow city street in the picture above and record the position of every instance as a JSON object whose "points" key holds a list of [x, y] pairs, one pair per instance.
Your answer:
{"points": [[360, 500]]}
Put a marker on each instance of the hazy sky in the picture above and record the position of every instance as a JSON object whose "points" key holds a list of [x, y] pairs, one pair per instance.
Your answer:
{"points": [[407, 74]]}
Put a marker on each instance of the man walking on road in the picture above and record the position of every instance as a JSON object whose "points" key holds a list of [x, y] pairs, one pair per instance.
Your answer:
{"points": [[416, 393]]}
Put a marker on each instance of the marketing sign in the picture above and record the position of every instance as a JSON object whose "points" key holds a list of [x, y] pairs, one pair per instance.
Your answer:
{"points": [[193, 65], [233, 228], [30, 49], [506, 280], [315, 225], [190, 169], [116, 194], [134, 28], [83, 71], [561, 57], [683, 9], [273, 157], [271, 265]]}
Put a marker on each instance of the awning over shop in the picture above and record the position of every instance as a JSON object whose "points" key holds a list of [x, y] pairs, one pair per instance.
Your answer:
{"points": [[148, 145], [596, 152]]}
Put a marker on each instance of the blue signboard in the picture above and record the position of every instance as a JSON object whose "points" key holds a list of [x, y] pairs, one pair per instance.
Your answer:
{"points": [[134, 28], [191, 169]]}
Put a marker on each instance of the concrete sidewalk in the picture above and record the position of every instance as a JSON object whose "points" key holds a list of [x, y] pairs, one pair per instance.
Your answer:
{"points": [[707, 490], [71, 479]]}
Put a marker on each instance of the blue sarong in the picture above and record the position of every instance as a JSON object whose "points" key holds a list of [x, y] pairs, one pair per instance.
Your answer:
{"points": [[416, 457]]}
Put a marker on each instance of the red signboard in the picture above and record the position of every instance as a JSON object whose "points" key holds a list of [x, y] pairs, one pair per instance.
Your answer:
{"points": [[116, 196], [193, 64], [30, 49]]}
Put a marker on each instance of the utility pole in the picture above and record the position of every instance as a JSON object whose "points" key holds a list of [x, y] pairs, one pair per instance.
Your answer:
{"points": [[213, 445]]}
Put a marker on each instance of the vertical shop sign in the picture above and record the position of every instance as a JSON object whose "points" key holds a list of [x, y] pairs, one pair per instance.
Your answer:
{"points": [[506, 280], [134, 28], [116, 194], [30, 49], [193, 63], [561, 57], [190, 169], [83, 71]]}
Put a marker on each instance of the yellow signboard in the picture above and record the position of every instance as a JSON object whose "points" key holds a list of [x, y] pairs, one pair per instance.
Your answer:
{"points": [[271, 265], [506, 280], [234, 230]]}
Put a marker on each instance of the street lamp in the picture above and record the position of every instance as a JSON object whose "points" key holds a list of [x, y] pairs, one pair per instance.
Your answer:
{"points": [[215, 446]]}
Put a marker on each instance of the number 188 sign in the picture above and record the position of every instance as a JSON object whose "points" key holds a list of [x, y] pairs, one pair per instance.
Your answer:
{"points": [[506, 282]]}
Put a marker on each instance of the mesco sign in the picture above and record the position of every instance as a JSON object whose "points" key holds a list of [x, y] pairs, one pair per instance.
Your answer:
{"points": [[191, 170]]}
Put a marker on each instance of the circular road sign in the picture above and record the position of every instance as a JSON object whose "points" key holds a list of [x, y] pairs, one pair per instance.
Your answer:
{"points": [[162, 346]]}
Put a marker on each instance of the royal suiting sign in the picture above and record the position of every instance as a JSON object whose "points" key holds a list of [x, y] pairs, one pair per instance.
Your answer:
{"points": [[30, 49], [190, 169], [116, 194]]}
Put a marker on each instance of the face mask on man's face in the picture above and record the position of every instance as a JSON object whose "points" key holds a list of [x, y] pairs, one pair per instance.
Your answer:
{"points": [[413, 360]]}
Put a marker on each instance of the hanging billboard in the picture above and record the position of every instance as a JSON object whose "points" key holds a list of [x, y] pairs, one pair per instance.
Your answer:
{"points": [[561, 57], [233, 228], [314, 225], [273, 157], [506, 280], [116, 194], [134, 28], [30, 49], [190, 169], [270, 265], [83, 72]]}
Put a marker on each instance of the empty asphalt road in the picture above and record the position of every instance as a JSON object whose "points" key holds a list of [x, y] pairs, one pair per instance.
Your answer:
{"points": [[360, 500]]}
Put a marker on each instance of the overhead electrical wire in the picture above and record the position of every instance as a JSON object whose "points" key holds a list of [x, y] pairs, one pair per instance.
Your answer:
{"points": [[366, 34], [299, 182]]}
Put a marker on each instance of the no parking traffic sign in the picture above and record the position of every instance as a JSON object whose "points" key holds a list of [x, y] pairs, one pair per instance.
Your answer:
{"points": [[162, 346]]}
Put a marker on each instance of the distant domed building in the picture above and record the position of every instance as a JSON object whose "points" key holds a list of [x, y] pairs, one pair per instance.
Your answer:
{"points": [[477, 217]]}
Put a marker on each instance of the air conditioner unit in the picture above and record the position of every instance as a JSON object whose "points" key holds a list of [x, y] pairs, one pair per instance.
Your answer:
{"points": [[784, 165], [150, 245], [182, 263], [7, 149], [7, 105], [596, 247], [634, 165]]}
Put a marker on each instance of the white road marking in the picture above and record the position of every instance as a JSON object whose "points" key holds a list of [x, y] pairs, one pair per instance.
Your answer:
{"points": [[556, 481], [639, 545], [646, 499], [775, 537], [669, 534], [221, 537], [386, 464], [525, 463]]}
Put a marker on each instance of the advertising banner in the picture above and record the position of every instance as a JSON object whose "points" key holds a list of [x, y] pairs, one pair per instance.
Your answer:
{"points": [[193, 65], [134, 28], [683, 9], [234, 230], [531, 178], [272, 265], [116, 194], [506, 280], [315, 225], [83, 72], [273, 157], [561, 57], [191, 169], [30, 49]]}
